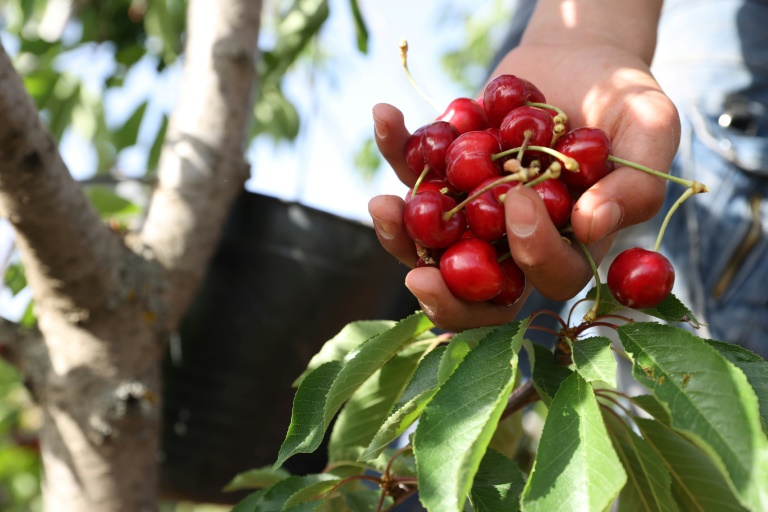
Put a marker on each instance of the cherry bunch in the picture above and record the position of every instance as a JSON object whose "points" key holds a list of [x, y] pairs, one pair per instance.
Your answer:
{"points": [[471, 155]]}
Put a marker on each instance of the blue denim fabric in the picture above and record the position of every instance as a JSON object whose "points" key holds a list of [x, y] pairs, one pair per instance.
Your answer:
{"points": [[712, 60]]}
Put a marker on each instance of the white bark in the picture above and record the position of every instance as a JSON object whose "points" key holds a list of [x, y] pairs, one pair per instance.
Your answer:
{"points": [[106, 306]]}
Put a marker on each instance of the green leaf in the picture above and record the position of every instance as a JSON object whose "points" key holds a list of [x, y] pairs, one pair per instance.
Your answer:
{"points": [[755, 368], [594, 359], [274, 115], [127, 134], [547, 375], [497, 485], [368, 159], [29, 318], [361, 30], [697, 484], [255, 479], [369, 406], [109, 204], [458, 348], [350, 336], [340, 380], [575, 463], [419, 390], [456, 426], [649, 486], [670, 310], [709, 400], [15, 278], [307, 426], [250, 502], [275, 498], [297, 26], [309, 494]]}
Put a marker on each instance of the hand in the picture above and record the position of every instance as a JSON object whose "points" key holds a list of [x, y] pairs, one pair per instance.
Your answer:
{"points": [[596, 84]]}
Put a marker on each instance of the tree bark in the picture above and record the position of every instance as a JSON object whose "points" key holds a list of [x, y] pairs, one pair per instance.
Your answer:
{"points": [[106, 305]]}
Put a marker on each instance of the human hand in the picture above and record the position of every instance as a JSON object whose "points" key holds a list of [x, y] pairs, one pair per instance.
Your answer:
{"points": [[596, 84]]}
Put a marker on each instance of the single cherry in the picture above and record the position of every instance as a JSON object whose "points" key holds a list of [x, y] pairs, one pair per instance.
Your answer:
{"points": [[470, 270], [640, 279], [505, 93], [435, 140], [438, 185], [485, 213], [426, 147], [591, 148], [468, 160], [533, 123], [426, 224], [558, 199], [466, 114], [514, 283]]}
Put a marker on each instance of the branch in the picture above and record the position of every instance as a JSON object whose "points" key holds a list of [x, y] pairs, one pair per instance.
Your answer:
{"points": [[524, 395], [24, 348], [67, 250], [202, 166]]}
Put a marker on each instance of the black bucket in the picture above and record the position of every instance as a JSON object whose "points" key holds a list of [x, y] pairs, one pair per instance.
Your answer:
{"points": [[284, 279]]}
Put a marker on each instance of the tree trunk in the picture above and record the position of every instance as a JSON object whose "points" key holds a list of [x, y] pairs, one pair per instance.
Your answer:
{"points": [[106, 304]]}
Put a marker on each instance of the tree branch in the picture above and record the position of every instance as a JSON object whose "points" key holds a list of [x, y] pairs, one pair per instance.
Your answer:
{"points": [[202, 166], [68, 249]]}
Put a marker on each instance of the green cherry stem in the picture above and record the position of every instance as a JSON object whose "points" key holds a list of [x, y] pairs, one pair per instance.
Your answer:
{"points": [[420, 179], [680, 200], [569, 163], [563, 117], [592, 313], [518, 176], [698, 187]]}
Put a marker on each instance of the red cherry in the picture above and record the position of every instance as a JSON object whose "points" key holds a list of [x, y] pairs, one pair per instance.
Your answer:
{"points": [[526, 120], [466, 114], [558, 200], [424, 221], [504, 94], [426, 147], [485, 213], [534, 94], [438, 185], [640, 279], [591, 148], [468, 160], [436, 138], [470, 270], [514, 284]]}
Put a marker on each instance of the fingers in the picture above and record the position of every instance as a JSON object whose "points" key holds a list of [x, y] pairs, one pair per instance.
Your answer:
{"points": [[450, 313], [557, 268], [387, 215], [391, 136], [649, 135]]}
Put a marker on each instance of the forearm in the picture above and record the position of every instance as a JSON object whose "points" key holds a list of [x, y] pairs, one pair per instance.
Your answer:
{"points": [[627, 24]]}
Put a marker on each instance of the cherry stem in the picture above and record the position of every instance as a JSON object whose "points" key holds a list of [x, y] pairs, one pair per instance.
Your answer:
{"points": [[404, 60], [528, 136], [685, 195], [570, 163], [504, 257], [518, 176], [699, 187], [592, 313], [419, 180], [563, 116]]}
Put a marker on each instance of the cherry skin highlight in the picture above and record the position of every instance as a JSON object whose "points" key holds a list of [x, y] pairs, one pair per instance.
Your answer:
{"points": [[466, 114], [470, 270], [640, 279]]}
